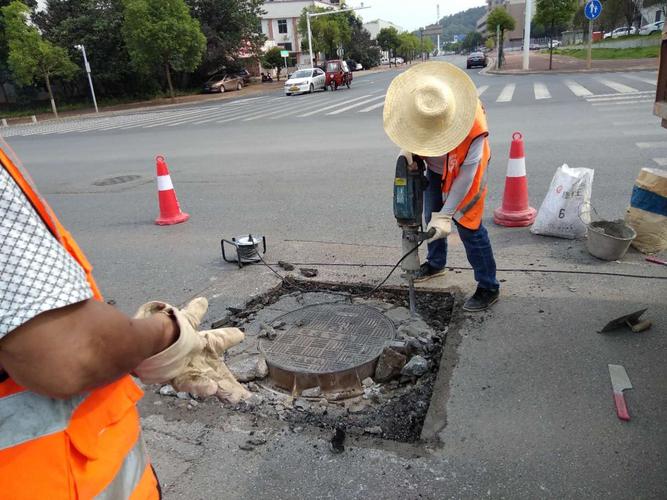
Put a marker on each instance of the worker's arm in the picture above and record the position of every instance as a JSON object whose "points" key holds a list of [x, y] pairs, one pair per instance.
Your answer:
{"points": [[461, 185], [66, 351]]}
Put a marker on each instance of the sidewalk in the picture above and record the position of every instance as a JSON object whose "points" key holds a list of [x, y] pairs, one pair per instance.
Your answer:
{"points": [[522, 407], [539, 63]]}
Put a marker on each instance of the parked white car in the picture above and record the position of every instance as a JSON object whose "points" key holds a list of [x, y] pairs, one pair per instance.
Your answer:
{"points": [[655, 27], [555, 43], [305, 80], [623, 31]]}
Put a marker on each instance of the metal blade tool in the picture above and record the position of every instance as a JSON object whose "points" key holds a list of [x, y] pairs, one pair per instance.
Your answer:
{"points": [[620, 382]]}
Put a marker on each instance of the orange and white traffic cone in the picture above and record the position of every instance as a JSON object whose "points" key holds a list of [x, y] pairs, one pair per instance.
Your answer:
{"points": [[515, 210], [170, 210]]}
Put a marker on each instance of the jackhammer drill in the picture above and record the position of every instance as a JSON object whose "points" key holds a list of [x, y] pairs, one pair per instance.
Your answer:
{"points": [[409, 186]]}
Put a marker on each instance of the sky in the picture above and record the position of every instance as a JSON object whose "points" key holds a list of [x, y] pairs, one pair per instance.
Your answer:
{"points": [[412, 14]]}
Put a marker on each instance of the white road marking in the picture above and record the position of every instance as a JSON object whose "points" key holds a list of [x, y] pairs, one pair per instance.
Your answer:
{"points": [[621, 103], [356, 104], [661, 161], [630, 123], [334, 105], [619, 87], [541, 91], [641, 133], [371, 108], [247, 116], [622, 97], [507, 93], [650, 81], [481, 90], [616, 94], [577, 89], [650, 145]]}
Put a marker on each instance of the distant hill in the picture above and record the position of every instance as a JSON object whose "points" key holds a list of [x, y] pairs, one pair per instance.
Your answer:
{"points": [[461, 22]]}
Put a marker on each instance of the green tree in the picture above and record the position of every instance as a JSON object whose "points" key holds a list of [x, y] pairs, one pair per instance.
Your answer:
{"points": [[499, 17], [389, 41], [30, 56], [229, 26], [273, 60], [408, 46], [472, 41], [427, 46], [361, 47], [162, 32], [551, 14], [328, 32]]}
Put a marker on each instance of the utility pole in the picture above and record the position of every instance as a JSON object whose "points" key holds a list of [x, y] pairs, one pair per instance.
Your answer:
{"points": [[421, 42], [437, 52], [328, 12], [498, 44], [90, 80], [526, 34]]}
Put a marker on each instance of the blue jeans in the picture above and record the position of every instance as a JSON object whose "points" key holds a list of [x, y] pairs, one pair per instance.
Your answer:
{"points": [[476, 242]]}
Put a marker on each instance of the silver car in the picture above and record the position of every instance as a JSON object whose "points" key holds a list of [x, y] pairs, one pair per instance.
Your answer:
{"points": [[305, 80]]}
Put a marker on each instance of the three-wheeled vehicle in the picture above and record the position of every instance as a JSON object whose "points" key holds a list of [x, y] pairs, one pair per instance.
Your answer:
{"points": [[338, 74]]}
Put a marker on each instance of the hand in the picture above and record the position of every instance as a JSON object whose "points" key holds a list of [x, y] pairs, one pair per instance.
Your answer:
{"points": [[442, 223], [193, 363], [412, 164]]}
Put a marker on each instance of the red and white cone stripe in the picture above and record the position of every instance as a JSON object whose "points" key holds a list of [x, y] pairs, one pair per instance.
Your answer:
{"points": [[515, 210], [170, 209]]}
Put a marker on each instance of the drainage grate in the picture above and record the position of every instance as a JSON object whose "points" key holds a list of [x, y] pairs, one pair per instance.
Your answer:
{"points": [[332, 346], [120, 179]]}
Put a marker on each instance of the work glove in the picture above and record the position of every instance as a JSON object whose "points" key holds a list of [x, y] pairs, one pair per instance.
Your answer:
{"points": [[194, 362], [442, 223], [408, 156]]}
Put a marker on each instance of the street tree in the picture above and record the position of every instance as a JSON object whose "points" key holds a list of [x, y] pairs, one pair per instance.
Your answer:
{"points": [[273, 60], [389, 41], [329, 32], [408, 46], [230, 27], [361, 47], [31, 57], [500, 18], [162, 32], [427, 46], [553, 13], [472, 40]]}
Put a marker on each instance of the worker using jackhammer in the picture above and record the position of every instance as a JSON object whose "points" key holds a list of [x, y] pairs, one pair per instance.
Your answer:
{"points": [[432, 112], [69, 426]]}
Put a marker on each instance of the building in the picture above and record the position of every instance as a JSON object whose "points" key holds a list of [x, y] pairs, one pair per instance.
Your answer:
{"points": [[280, 24], [374, 27], [516, 8]]}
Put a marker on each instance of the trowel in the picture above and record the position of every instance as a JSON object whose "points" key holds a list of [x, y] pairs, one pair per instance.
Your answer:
{"points": [[629, 320]]}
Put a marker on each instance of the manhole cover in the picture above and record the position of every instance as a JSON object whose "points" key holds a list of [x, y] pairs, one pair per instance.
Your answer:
{"points": [[333, 346], [120, 179]]}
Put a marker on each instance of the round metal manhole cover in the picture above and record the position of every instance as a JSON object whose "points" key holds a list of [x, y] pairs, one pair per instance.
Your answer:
{"points": [[328, 338], [120, 179]]}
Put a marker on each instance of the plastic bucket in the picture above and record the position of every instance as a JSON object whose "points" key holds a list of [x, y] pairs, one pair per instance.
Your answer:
{"points": [[609, 240]]}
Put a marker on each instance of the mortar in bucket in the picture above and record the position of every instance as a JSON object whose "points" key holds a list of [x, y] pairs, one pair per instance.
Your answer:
{"points": [[609, 240]]}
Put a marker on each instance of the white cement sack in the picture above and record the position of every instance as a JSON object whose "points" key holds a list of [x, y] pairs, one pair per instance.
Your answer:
{"points": [[561, 213]]}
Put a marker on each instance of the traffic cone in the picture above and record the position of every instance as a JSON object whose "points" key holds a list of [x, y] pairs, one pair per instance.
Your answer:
{"points": [[515, 210], [170, 210]]}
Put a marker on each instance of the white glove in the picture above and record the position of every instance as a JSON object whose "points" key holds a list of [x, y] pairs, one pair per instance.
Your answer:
{"points": [[406, 155], [442, 223], [193, 363]]}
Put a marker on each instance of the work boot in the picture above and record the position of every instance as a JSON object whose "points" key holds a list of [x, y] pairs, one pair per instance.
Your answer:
{"points": [[427, 271], [482, 299]]}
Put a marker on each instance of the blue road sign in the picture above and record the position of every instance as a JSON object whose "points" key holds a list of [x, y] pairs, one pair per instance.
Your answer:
{"points": [[592, 9]]}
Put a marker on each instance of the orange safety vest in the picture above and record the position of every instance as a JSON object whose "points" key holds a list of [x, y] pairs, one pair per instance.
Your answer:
{"points": [[471, 209], [85, 447]]}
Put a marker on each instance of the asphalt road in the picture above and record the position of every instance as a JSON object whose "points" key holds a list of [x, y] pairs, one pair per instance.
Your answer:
{"points": [[313, 173]]}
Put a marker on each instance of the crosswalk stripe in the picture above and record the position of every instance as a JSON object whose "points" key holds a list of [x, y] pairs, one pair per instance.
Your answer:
{"points": [[616, 94], [245, 116], [577, 89], [649, 145], [481, 90], [356, 104], [334, 106], [371, 108], [159, 120], [507, 93], [650, 81], [620, 97], [661, 161], [621, 103], [541, 91], [619, 87]]}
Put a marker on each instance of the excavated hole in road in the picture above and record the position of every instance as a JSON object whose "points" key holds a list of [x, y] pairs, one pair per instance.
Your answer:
{"points": [[393, 409]]}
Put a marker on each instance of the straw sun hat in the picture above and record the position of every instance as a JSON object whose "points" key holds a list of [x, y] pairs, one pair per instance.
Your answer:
{"points": [[430, 108]]}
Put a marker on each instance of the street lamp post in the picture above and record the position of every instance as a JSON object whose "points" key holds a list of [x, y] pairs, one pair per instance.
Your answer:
{"points": [[90, 80], [317, 14]]}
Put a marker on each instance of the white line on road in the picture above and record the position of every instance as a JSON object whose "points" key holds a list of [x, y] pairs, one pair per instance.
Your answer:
{"points": [[371, 108], [247, 117], [616, 94], [650, 81], [643, 133], [507, 93], [619, 87], [577, 89], [650, 145], [356, 104], [661, 161], [334, 105], [621, 103], [481, 90], [621, 97], [541, 91], [630, 123]]}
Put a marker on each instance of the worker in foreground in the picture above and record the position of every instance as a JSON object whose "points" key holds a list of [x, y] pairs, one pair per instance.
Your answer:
{"points": [[432, 111], [69, 426]]}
